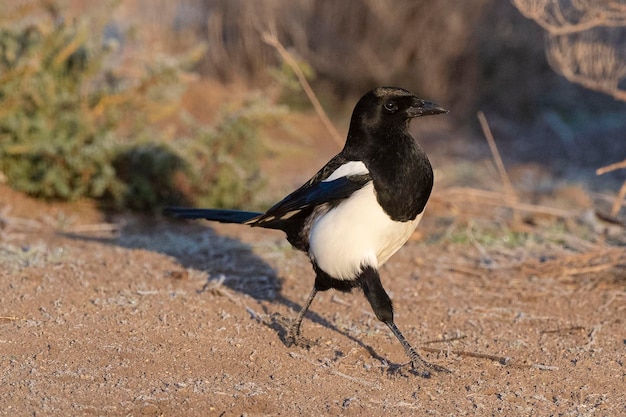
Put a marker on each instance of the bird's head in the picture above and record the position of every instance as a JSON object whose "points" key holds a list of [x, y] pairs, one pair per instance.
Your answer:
{"points": [[382, 116], [390, 108], [391, 105]]}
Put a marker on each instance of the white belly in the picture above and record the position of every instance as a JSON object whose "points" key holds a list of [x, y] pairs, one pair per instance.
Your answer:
{"points": [[355, 234]]}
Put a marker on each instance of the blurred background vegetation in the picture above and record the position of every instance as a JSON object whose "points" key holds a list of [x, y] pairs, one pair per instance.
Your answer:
{"points": [[144, 103]]}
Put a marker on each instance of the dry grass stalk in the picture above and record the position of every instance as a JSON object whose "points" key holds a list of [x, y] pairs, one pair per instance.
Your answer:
{"points": [[619, 200], [17, 223], [500, 359], [621, 195], [611, 167], [110, 228], [270, 38], [509, 192], [8, 318], [465, 195]]}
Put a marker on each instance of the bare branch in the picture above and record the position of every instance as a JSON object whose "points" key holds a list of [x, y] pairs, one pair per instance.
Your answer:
{"points": [[509, 191], [612, 167], [585, 40], [271, 39], [619, 200], [559, 17]]}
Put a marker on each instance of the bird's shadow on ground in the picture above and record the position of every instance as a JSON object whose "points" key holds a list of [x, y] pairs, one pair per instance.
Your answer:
{"points": [[281, 326], [225, 260]]}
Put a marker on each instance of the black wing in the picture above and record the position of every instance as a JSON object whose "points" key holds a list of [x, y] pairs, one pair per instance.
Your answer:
{"points": [[312, 194]]}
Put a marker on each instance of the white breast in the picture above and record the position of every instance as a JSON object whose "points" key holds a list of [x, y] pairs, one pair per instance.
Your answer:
{"points": [[355, 234]]}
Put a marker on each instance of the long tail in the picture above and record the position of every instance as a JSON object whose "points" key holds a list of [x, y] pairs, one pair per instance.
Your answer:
{"points": [[223, 216]]}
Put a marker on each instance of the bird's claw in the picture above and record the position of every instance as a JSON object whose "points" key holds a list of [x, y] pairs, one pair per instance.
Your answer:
{"points": [[421, 369], [417, 366], [424, 369], [295, 339]]}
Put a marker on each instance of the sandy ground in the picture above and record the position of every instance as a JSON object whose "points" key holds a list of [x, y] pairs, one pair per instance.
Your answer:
{"points": [[161, 318]]}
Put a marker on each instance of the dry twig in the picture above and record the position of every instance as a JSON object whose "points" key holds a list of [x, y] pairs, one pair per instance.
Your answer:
{"points": [[111, 228], [502, 360], [619, 200], [621, 195], [611, 167], [509, 191], [18, 223], [8, 318], [474, 195], [270, 38]]}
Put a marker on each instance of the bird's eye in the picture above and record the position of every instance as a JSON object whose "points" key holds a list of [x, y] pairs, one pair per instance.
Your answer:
{"points": [[390, 106]]}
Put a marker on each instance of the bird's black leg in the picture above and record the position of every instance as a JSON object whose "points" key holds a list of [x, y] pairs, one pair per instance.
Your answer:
{"points": [[383, 308], [323, 282], [419, 365], [294, 330]]}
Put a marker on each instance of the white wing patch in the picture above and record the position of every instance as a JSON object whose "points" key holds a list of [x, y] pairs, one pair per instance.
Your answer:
{"points": [[289, 214], [356, 233], [348, 169]]}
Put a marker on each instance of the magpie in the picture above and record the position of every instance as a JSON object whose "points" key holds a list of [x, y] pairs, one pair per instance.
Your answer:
{"points": [[359, 209]]}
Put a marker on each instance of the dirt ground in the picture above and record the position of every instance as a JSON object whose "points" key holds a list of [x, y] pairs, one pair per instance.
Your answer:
{"points": [[137, 316]]}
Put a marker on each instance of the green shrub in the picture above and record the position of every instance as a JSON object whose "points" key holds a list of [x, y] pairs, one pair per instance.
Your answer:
{"points": [[71, 128], [53, 143]]}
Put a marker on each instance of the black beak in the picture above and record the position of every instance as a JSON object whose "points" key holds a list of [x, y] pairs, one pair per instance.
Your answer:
{"points": [[421, 107]]}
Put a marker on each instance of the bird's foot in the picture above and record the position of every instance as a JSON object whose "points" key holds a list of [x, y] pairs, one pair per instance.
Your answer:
{"points": [[424, 369], [289, 332], [417, 366], [295, 339]]}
